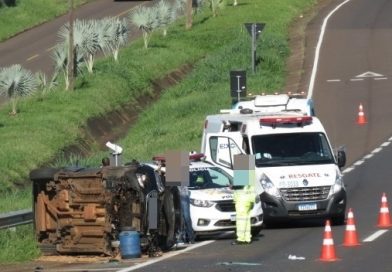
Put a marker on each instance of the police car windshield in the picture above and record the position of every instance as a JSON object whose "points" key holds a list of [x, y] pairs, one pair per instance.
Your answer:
{"points": [[291, 149], [208, 177]]}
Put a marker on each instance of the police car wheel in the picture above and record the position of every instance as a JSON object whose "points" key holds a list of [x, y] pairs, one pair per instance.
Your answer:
{"points": [[255, 231]]}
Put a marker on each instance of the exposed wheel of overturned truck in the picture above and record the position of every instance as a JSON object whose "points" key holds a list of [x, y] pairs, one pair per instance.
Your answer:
{"points": [[43, 174]]}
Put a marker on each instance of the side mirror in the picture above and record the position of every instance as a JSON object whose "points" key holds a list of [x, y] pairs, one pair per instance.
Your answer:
{"points": [[341, 158]]}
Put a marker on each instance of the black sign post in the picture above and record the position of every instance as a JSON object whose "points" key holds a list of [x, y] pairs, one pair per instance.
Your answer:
{"points": [[254, 29]]}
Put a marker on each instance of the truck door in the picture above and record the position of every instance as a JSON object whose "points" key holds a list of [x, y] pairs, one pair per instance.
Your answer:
{"points": [[222, 150]]}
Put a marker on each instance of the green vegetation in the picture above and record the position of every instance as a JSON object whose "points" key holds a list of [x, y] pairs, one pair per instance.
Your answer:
{"points": [[18, 244], [46, 124], [28, 13]]}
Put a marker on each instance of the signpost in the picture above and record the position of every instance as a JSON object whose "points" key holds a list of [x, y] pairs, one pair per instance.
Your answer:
{"points": [[254, 29], [237, 84]]}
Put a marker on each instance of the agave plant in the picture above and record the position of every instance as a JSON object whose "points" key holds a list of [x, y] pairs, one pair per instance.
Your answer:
{"points": [[215, 5], [146, 20], [113, 33], [43, 83], [60, 57], [85, 40], [166, 14], [16, 82]]}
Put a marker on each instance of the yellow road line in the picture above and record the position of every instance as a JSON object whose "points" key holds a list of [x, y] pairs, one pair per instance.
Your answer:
{"points": [[50, 48], [32, 57]]}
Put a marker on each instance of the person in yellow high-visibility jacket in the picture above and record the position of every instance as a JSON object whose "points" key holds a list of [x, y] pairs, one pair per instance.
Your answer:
{"points": [[244, 200]]}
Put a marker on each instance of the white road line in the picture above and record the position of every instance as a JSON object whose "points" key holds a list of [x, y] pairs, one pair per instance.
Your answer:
{"points": [[376, 150], [169, 255], [349, 169], [375, 235], [356, 79], [333, 80], [318, 47], [380, 78], [357, 163], [368, 156]]}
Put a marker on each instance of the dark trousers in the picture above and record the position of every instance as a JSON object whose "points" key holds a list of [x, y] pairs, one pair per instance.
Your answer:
{"points": [[187, 230]]}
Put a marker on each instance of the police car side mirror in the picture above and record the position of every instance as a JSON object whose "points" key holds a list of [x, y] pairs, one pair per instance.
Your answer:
{"points": [[341, 158]]}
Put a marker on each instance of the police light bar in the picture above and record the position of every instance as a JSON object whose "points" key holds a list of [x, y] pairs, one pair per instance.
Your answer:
{"points": [[278, 120]]}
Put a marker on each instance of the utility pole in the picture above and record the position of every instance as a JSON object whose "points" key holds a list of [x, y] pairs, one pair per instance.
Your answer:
{"points": [[71, 46]]}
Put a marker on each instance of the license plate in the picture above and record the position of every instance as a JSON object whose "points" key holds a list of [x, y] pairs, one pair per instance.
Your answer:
{"points": [[307, 207], [232, 217]]}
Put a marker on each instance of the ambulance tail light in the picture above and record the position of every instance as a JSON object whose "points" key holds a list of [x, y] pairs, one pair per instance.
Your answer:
{"points": [[205, 124], [283, 120]]}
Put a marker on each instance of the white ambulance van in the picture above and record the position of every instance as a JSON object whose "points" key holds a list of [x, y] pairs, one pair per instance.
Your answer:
{"points": [[298, 175]]}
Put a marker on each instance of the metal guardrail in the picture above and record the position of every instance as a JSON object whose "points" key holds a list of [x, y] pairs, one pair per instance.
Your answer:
{"points": [[16, 218]]}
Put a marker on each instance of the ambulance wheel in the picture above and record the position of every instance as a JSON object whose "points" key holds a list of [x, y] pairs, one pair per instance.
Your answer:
{"points": [[338, 220], [269, 224]]}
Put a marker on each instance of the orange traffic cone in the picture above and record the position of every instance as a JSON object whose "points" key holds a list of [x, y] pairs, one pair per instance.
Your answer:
{"points": [[384, 219], [350, 235], [361, 120], [328, 249]]}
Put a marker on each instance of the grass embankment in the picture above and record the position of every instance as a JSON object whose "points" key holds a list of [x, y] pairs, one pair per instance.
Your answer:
{"points": [[215, 45], [29, 13]]}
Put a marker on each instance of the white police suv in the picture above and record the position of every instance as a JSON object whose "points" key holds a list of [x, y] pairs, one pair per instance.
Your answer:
{"points": [[211, 197]]}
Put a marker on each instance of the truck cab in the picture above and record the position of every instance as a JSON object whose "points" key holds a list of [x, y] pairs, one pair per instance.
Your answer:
{"points": [[297, 174]]}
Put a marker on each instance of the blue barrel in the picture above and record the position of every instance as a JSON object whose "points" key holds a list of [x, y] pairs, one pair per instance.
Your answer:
{"points": [[130, 244]]}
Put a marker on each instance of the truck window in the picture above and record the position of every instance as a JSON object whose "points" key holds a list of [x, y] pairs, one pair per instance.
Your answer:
{"points": [[223, 150], [291, 149]]}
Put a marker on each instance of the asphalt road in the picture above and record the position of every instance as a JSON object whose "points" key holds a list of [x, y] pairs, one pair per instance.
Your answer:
{"points": [[32, 49], [353, 67]]}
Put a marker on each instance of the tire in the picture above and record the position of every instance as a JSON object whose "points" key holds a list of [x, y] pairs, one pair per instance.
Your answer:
{"points": [[338, 220], [46, 173], [255, 231], [267, 224], [167, 239]]}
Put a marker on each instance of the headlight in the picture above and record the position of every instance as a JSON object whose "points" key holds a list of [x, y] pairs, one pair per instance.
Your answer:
{"points": [[268, 186], [338, 184], [201, 203]]}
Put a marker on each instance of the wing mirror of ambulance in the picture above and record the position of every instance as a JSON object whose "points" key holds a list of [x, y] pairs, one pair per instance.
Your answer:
{"points": [[341, 157]]}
